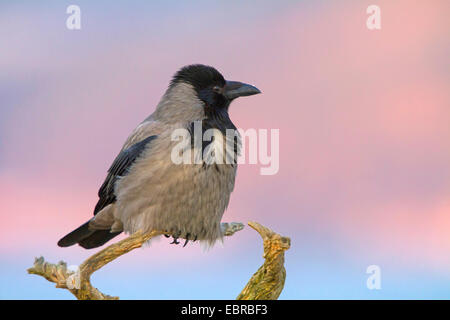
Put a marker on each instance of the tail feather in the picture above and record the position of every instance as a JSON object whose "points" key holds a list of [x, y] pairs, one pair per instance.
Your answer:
{"points": [[76, 235], [86, 237], [97, 239]]}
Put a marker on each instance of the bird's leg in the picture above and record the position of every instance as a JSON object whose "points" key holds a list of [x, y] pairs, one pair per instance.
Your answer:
{"points": [[195, 238]]}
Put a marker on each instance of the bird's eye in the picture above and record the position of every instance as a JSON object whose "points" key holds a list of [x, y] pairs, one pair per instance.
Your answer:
{"points": [[216, 89]]}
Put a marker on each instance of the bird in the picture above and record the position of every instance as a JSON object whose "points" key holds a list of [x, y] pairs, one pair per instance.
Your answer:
{"points": [[145, 190]]}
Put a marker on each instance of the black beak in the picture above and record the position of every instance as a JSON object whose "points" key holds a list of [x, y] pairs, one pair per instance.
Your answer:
{"points": [[235, 89]]}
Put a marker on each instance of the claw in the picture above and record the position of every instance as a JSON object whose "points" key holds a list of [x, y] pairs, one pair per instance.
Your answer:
{"points": [[187, 239], [195, 239], [175, 241]]}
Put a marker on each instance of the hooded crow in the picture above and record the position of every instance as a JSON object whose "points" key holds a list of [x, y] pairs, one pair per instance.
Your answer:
{"points": [[146, 190]]}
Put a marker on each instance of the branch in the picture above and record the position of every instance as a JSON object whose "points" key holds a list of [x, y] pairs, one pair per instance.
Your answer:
{"points": [[78, 282], [268, 282]]}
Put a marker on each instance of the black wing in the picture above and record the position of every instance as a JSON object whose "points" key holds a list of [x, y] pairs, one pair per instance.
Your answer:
{"points": [[86, 237], [118, 169]]}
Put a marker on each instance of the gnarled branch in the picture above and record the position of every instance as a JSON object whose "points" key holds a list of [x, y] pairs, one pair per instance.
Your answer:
{"points": [[78, 282]]}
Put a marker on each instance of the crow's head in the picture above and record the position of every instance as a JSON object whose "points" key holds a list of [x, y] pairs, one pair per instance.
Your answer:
{"points": [[211, 87]]}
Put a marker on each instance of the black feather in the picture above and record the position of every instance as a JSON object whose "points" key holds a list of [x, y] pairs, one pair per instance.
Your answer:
{"points": [[97, 239], [75, 236], [216, 118], [119, 168], [199, 76]]}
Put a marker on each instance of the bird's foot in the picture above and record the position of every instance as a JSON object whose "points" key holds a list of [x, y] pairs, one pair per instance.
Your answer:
{"points": [[177, 235]]}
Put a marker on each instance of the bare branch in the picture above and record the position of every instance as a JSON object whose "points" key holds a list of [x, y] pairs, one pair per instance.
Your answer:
{"points": [[78, 282], [268, 282]]}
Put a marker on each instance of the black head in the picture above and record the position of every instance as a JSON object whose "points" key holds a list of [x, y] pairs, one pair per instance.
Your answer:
{"points": [[211, 87]]}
